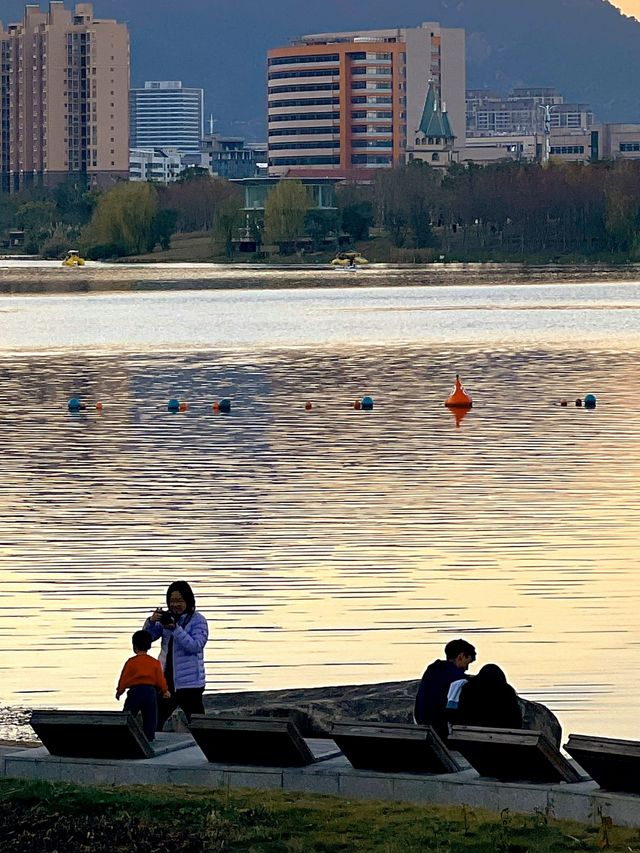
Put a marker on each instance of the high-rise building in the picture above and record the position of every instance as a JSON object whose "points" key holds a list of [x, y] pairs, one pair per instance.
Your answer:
{"points": [[340, 103], [64, 83], [166, 113]]}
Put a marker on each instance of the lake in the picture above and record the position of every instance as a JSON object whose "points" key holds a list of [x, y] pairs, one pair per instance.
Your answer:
{"points": [[330, 546]]}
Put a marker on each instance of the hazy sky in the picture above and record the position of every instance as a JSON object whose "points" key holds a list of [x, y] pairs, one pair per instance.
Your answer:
{"points": [[629, 7]]}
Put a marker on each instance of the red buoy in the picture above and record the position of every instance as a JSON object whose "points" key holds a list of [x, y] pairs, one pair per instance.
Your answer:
{"points": [[459, 399]]}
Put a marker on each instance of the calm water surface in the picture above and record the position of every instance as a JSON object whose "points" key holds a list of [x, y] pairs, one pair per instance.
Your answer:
{"points": [[331, 546]]}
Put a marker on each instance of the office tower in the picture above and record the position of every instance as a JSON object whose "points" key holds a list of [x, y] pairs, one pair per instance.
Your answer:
{"points": [[64, 83], [167, 114], [340, 103]]}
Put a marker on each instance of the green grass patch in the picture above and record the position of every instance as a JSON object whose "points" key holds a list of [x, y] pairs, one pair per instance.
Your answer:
{"points": [[38, 817]]}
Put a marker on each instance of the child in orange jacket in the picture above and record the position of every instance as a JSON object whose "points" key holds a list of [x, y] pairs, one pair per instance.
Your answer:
{"points": [[143, 677]]}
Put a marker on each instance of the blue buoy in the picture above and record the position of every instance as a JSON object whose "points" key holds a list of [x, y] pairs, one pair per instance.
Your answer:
{"points": [[173, 405], [367, 403], [225, 405], [590, 401], [74, 404]]}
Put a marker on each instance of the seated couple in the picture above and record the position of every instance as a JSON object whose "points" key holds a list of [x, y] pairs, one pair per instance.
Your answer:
{"points": [[447, 695]]}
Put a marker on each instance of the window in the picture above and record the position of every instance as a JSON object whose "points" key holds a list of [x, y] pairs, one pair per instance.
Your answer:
{"points": [[630, 146], [293, 60], [566, 149]]}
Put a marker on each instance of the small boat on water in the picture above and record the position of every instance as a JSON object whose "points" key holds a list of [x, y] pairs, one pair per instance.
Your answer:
{"points": [[349, 260], [73, 259]]}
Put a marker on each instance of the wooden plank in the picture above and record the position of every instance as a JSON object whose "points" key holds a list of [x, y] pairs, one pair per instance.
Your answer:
{"points": [[252, 741], [613, 763], [393, 748], [91, 734], [512, 754]]}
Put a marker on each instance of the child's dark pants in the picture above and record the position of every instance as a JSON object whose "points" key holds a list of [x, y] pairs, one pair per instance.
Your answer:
{"points": [[142, 698]]}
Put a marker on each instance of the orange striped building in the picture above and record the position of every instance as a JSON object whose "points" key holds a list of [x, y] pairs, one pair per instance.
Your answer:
{"points": [[343, 104]]}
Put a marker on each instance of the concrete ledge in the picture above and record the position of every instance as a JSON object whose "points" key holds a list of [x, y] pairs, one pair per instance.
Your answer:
{"points": [[580, 801]]}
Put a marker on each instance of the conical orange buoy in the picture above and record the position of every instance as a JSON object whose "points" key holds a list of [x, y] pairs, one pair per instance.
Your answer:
{"points": [[459, 399]]}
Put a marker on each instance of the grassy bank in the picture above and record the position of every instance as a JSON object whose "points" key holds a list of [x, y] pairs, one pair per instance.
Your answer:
{"points": [[38, 817], [199, 247]]}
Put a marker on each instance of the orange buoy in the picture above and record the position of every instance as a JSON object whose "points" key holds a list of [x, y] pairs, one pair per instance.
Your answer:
{"points": [[215, 406], [357, 404], [184, 407], [308, 405], [459, 399], [99, 406]]}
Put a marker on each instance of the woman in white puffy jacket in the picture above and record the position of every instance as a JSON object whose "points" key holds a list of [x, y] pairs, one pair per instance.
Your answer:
{"points": [[184, 634]]}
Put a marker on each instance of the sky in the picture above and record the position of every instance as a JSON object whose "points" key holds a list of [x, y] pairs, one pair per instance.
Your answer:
{"points": [[629, 7]]}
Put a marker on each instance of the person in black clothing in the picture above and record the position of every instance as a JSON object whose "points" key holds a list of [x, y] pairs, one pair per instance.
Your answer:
{"points": [[487, 700], [431, 702]]}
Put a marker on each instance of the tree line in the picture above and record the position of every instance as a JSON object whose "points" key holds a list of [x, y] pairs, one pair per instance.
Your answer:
{"points": [[498, 212]]}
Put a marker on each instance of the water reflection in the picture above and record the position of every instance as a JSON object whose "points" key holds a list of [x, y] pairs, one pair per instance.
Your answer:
{"points": [[331, 546]]}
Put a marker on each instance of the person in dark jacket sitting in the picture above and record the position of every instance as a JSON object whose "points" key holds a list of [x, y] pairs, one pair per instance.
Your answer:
{"points": [[431, 701], [487, 700]]}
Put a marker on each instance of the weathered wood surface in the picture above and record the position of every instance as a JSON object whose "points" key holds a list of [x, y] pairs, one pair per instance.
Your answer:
{"points": [[614, 764], [315, 709], [512, 755], [91, 734], [252, 741], [393, 748]]}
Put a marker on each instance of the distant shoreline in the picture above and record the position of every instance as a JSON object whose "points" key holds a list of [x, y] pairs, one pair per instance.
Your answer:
{"points": [[25, 277]]}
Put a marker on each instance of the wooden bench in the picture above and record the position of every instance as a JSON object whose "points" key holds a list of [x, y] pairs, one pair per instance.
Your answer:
{"points": [[512, 755], [91, 734], [614, 764], [251, 741], [393, 747]]}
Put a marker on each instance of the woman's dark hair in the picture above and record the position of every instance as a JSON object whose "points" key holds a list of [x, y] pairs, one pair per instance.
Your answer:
{"points": [[185, 591], [492, 674]]}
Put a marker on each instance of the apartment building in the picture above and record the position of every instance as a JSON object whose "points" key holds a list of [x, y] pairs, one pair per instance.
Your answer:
{"points": [[162, 165], [346, 103], [164, 113], [64, 83], [522, 111]]}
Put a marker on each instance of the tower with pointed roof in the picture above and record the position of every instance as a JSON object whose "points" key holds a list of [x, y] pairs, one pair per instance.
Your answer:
{"points": [[433, 141]]}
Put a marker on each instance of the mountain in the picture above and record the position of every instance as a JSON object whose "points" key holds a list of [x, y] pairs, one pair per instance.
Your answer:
{"points": [[586, 48]]}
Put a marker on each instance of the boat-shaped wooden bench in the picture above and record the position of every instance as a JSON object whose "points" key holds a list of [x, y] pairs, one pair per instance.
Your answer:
{"points": [[91, 734], [614, 764], [256, 741], [393, 747], [513, 755]]}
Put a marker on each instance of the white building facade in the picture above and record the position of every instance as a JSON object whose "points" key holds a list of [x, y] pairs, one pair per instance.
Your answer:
{"points": [[155, 164], [166, 114]]}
